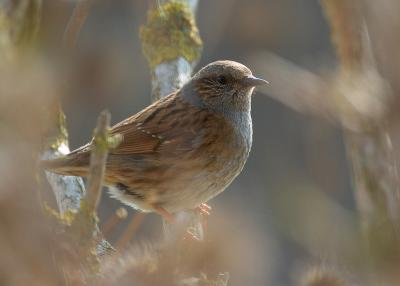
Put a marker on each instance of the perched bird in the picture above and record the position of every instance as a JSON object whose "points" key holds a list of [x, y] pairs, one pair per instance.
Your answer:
{"points": [[183, 149]]}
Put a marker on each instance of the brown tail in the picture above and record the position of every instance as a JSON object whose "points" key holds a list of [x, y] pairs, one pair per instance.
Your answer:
{"points": [[74, 164]]}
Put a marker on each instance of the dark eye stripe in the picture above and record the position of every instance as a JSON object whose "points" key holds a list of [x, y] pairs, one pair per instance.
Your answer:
{"points": [[221, 79]]}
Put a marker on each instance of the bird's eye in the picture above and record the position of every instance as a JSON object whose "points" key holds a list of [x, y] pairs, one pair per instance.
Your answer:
{"points": [[221, 79]]}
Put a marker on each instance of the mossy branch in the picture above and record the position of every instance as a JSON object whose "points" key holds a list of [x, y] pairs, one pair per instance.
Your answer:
{"points": [[172, 46], [170, 32]]}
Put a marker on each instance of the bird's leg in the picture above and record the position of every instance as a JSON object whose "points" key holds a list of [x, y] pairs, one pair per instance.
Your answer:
{"points": [[164, 213], [203, 209]]}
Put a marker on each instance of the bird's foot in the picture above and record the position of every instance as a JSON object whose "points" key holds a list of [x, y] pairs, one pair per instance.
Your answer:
{"points": [[205, 212], [204, 209]]}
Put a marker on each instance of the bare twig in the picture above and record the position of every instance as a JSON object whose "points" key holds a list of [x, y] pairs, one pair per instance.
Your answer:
{"points": [[130, 231], [75, 24], [84, 226], [119, 215], [98, 158], [346, 25]]}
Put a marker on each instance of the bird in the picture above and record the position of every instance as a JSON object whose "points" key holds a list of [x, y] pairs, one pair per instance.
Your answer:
{"points": [[182, 150]]}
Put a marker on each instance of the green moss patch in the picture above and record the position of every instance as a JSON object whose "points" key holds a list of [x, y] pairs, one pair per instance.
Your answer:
{"points": [[170, 32]]}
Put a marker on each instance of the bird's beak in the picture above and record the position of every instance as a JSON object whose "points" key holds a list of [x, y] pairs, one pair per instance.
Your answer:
{"points": [[251, 81]]}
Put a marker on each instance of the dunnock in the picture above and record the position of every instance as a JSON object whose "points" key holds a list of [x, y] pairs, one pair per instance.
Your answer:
{"points": [[182, 150]]}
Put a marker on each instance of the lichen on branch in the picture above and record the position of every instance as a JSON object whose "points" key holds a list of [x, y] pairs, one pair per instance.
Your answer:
{"points": [[170, 32]]}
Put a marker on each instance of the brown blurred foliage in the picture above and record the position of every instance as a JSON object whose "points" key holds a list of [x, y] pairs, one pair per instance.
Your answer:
{"points": [[359, 98]]}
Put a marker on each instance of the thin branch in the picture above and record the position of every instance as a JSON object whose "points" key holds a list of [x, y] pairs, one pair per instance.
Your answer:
{"points": [[346, 26], [130, 231], [84, 226], [98, 158], [75, 24]]}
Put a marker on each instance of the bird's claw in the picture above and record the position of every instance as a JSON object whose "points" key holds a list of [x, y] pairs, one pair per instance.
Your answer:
{"points": [[204, 209]]}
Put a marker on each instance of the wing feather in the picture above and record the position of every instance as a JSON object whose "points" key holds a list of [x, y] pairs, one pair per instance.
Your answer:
{"points": [[142, 133]]}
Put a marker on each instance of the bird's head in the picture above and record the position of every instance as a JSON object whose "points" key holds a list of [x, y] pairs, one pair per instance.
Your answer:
{"points": [[224, 85]]}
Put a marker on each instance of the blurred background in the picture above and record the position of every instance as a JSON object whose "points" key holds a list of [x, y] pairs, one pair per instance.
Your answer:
{"points": [[292, 210], [267, 212]]}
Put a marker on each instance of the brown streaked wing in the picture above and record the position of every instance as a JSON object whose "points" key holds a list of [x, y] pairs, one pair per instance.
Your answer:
{"points": [[134, 141], [143, 132]]}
